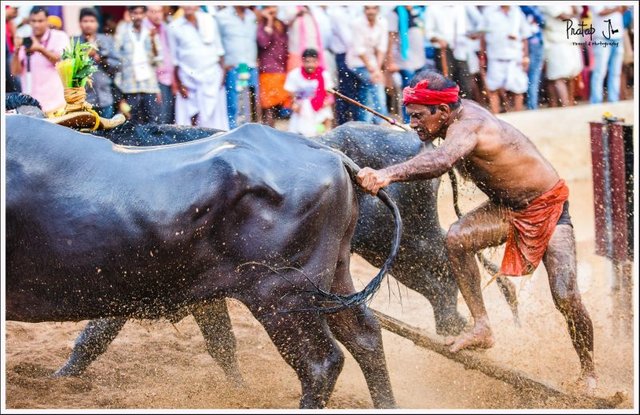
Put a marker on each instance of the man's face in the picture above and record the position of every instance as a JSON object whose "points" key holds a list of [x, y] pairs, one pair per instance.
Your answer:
{"points": [[39, 23], [137, 15], [371, 12], [310, 64], [89, 25], [155, 14], [428, 126], [11, 13]]}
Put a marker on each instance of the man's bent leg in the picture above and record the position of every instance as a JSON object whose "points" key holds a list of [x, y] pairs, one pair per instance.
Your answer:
{"points": [[483, 227], [560, 262]]}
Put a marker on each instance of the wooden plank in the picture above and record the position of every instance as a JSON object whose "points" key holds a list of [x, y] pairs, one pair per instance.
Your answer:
{"points": [[518, 379], [597, 162], [618, 192]]}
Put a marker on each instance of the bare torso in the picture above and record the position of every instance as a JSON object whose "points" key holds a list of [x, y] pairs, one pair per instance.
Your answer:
{"points": [[504, 163]]}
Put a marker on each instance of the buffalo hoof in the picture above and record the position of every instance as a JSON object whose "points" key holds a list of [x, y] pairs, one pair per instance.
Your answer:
{"points": [[451, 324]]}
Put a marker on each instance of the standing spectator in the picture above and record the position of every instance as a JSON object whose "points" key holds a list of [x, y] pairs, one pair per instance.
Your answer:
{"points": [[476, 65], [563, 58], [607, 57], [341, 39], [365, 58], [536, 53], [272, 64], [405, 53], [304, 33], [627, 79], [446, 28], [21, 21], [323, 20], [507, 55], [109, 24], [312, 114], [238, 30], [197, 51], [107, 61], [36, 60], [164, 71], [137, 78], [12, 83]]}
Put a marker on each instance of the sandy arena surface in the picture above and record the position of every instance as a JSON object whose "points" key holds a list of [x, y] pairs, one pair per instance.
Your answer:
{"points": [[157, 365]]}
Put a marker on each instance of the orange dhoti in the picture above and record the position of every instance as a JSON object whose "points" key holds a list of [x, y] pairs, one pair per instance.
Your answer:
{"points": [[272, 90], [531, 230]]}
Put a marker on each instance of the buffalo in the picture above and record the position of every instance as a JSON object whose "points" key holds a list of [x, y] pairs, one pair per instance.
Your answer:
{"points": [[98, 230]]}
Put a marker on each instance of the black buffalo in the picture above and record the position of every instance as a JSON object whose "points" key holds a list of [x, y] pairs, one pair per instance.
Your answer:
{"points": [[421, 265], [98, 230]]}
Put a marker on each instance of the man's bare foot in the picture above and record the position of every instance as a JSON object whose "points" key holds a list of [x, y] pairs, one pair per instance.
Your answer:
{"points": [[478, 337]]}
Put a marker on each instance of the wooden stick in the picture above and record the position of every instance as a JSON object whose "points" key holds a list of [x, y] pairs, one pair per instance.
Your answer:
{"points": [[371, 110], [519, 380]]}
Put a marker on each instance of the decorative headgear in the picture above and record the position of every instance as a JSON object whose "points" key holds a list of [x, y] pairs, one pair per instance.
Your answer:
{"points": [[422, 95]]}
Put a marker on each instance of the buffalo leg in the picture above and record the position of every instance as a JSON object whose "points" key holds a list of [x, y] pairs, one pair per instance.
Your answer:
{"points": [[215, 324], [307, 345], [91, 343], [359, 331]]}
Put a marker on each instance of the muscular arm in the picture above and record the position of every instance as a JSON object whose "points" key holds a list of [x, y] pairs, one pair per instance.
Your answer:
{"points": [[461, 140]]}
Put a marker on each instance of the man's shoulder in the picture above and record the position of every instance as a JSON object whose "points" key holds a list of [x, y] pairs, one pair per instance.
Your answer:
{"points": [[58, 40]]}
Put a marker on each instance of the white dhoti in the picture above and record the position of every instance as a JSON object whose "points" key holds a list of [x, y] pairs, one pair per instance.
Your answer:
{"points": [[207, 99], [307, 121], [564, 60], [506, 74]]}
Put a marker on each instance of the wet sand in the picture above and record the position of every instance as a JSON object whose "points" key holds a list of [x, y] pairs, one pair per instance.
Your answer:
{"points": [[158, 365]]}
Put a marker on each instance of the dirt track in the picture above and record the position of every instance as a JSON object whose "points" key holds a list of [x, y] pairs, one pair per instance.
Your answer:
{"points": [[154, 365]]}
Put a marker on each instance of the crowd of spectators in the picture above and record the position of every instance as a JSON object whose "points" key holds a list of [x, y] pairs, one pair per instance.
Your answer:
{"points": [[225, 65]]}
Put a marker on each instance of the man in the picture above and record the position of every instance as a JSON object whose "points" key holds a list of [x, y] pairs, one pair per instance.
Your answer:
{"points": [[107, 61], [196, 49], [140, 55], [340, 42], [608, 52], [36, 61], [405, 53], [12, 83], [238, 30], [164, 70], [535, 45], [446, 27], [365, 57], [312, 112], [272, 64], [507, 50], [527, 206], [563, 58]]}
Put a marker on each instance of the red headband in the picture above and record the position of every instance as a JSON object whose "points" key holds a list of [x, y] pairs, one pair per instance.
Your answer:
{"points": [[424, 96]]}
